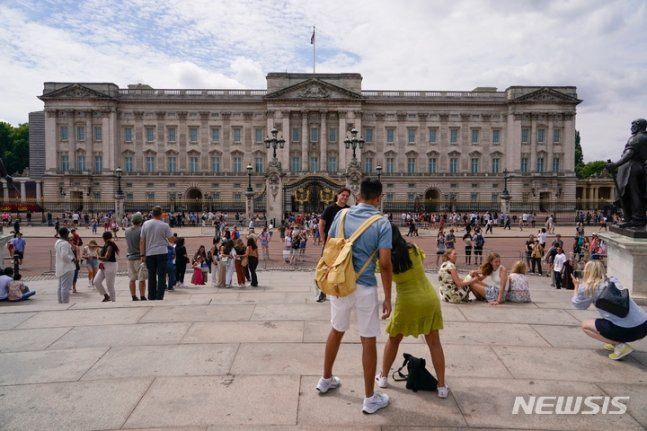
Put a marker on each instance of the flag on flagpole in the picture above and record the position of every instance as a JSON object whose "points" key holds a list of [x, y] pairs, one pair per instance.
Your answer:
{"points": [[312, 38]]}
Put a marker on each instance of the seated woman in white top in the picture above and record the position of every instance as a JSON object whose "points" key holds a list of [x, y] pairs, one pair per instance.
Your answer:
{"points": [[491, 280], [614, 331]]}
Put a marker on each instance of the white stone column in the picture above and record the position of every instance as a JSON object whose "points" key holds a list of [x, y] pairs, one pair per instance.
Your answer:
{"points": [[533, 146], [38, 192], [342, 163], [284, 154], [323, 141], [304, 141], [23, 192], [5, 190]]}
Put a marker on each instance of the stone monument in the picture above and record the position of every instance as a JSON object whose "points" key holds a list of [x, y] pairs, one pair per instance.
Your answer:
{"points": [[627, 242]]}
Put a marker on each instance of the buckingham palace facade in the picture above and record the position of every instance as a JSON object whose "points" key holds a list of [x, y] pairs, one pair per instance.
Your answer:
{"points": [[191, 148]]}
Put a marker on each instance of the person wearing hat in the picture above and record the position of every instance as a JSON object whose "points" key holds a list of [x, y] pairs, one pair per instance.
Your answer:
{"points": [[153, 250], [137, 271], [90, 255]]}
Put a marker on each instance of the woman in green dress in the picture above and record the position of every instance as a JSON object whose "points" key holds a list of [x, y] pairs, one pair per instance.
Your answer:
{"points": [[417, 310]]}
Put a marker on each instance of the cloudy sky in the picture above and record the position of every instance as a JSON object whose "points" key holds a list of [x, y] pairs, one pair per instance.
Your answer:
{"points": [[600, 46]]}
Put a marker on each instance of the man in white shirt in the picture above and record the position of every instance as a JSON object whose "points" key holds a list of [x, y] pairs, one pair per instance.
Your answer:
{"points": [[153, 250], [558, 267]]}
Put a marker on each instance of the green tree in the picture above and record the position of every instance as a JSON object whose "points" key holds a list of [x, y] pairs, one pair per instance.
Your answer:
{"points": [[579, 155], [590, 169], [14, 147]]}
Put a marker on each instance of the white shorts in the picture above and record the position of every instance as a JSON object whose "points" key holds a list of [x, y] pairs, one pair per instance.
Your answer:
{"points": [[365, 302], [137, 270]]}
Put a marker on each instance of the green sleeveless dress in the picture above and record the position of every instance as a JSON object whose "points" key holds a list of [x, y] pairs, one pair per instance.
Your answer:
{"points": [[417, 306]]}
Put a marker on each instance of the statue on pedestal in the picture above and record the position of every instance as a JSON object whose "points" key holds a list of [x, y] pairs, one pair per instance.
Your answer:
{"points": [[631, 178]]}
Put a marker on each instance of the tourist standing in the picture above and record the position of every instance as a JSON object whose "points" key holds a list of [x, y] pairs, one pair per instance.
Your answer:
{"points": [[152, 248], [136, 269], [65, 265], [107, 268]]}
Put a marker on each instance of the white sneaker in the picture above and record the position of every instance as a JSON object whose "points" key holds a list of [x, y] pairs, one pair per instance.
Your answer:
{"points": [[325, 385], [381, 381], [376, 402], [443, 391]]}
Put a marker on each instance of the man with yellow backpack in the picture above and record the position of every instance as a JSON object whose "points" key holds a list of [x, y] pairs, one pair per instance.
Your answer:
{"points": [[369, 237]]}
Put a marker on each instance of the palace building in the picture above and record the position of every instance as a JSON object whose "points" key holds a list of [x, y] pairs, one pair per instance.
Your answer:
{"points": [[191, 148]]}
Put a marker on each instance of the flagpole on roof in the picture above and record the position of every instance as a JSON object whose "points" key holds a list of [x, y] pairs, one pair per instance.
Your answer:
{"points": [[313, 42]]}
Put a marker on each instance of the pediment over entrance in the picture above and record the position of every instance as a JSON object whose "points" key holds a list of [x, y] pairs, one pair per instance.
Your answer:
{"points": [[546, 95], [314, 89], [75, 91]]}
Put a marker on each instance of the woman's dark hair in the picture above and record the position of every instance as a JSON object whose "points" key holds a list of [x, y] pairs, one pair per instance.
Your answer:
{"points": [[180, 241], [399, 252], [216, 240], [228, 246], [107, 235], [201, 252], [251, 243]]}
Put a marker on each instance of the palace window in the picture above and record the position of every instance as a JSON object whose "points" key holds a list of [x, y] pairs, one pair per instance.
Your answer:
{"points": [[557, 135], [314, 134], [474, 197], [150, 164], [433, 135], [525, 135], [368, 165], [411, 165], [432, 166], [98, 163], [389, 196], [368, 135], [237, 164], [237, 134], [411, 135], [172, 134], [475, 136], [172, 164], [555, 164], [259, 165], [128, 134], [258, 135], [193, 135], [494, 198], [495, 166], [237, 196], [128, 164], [295, 164], [65, 162], [474, 166], [541, 135], [296, 134], [215, 134], [215, 164], [453, 166], [194, 164], [540, 164], [390, 165], [332, 165], [453, 135], [80, 133], [64, 133], [524, 165], [496, 136], [80, 162], [314, 164], [150, 134], [390, 135], [98, 133], [332, 134]]}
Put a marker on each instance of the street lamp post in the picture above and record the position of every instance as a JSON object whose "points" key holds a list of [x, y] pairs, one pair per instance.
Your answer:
{"points": [[378, 168], [274, 142], [354, 142], [119, 196], [249, 194]]}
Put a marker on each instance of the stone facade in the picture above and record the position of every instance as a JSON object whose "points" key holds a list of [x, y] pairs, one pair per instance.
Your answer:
{"points": [[195, 145]]}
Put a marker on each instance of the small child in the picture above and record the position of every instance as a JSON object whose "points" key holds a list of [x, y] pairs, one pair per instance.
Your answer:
{"points": [[518, 290]]}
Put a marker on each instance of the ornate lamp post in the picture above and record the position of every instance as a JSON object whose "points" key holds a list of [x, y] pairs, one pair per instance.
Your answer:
{"points": [[274, 142], [354, 142], [505, 195], [249, 194], [119, 196]]}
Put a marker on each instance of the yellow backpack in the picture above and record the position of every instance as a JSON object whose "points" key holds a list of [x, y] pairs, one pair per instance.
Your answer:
{"points": [[335, 274]]}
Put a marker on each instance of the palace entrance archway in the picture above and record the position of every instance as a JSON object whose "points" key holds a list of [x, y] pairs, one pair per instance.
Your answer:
{"points": [[309, 194], [193, 199], [432, 200]]}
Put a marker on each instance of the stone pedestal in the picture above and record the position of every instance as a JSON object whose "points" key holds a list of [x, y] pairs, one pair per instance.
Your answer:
{"points": [[4, 239], [119, 207], [274, 192], [353, 178], [249, 205], [505, 203], [627, 260]]}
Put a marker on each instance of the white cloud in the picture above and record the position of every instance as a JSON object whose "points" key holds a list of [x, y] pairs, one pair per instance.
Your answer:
{"points": [[595, 45]]}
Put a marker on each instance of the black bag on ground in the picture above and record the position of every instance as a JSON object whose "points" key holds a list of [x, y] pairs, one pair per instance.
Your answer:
{"points": [[418, 377], [613, 300]]}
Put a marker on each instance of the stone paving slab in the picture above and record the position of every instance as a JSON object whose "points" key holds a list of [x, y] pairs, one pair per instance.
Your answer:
{"points": [[245, 332], [31, 305], [18, 340], [574, 337], [223, 400], [504, 314], [141, 334], [306, 312], [637, 394], [341, 407], [315, 331], [47, 365], [72, 406], [154, 361], [199, 313], [500, 334], [569, 365], [489, 402], [11, 320], [108, 316]]}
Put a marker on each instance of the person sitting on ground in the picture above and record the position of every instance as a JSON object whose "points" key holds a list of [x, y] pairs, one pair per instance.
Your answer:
{"points": [[490, 283], [417, 310], [615, 332], [518, 290], [452, 288], [13, 290]]}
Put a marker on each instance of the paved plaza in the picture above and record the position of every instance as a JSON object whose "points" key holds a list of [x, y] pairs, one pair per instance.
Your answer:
{"points": [[249, 358]]}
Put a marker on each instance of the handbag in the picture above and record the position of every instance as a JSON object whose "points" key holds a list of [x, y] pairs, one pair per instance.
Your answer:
{"points": [[418, 377], [613, 300]]}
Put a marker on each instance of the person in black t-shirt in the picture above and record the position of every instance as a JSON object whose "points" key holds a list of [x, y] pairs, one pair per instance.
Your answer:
{"points": [[326, 220]]}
